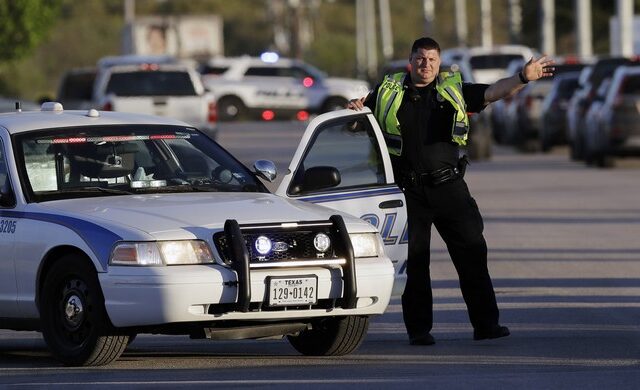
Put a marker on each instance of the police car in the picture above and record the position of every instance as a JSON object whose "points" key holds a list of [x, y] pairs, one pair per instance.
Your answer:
{"points": [[270, 87], [114, 224]]}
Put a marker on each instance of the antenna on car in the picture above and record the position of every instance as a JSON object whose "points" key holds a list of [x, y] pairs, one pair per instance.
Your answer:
{"points": [[18, 107]]}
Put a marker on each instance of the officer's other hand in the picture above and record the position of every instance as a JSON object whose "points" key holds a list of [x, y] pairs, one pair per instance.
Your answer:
{"points": [[356, 104], [537, 69]]}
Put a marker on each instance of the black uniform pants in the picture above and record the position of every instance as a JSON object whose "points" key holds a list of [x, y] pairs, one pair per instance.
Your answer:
{"points": [[454, 213]]}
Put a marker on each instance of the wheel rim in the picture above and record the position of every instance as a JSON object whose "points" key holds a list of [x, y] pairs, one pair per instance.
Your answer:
{"points": [[74, 325], [231, 110]]}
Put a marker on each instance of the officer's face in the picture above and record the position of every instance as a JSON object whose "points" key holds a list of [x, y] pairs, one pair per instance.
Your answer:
{"points": [[425, 65]]}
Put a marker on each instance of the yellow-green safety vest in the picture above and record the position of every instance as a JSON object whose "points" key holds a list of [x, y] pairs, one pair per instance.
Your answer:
{"points": [[390, 93]]}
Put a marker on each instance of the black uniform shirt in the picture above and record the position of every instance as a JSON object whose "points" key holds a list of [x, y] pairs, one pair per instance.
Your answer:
{"points": [[426, 121]]}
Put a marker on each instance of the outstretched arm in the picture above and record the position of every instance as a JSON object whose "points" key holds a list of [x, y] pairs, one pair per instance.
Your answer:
{"points": [[531, 71]]}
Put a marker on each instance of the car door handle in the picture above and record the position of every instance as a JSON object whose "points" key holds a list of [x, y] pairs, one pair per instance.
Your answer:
{"points": [[391, 204]]}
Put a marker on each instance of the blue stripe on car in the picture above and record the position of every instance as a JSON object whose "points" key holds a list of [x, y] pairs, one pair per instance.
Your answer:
{"points": [[99, 239], [352, 195]]}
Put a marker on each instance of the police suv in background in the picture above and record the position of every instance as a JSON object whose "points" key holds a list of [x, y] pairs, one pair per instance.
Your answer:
{"points": [[270, 87], [114, 224]]}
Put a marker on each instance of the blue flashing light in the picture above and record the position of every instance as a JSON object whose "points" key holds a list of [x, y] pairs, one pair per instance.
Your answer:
{"points": [[269, 56]]}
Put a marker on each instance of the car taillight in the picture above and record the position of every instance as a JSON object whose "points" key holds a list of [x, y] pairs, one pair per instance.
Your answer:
{"points": [[307, 82], [302, 115], [107, 107], [268, 115], [212, 115]]}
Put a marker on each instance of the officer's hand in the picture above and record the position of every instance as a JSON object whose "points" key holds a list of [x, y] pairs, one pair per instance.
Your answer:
{"points": [[356, 104], [534, 70]]}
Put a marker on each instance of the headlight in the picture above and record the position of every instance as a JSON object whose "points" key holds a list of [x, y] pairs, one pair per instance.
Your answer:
{"points": [[364, 244], [161, 253]]}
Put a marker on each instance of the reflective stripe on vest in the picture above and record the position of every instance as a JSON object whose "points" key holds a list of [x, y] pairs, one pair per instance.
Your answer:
{"points": [[390, 93], [449, 86]]}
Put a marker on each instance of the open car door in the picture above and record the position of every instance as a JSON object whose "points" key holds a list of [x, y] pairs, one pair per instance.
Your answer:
{"points": [[342, 163]]}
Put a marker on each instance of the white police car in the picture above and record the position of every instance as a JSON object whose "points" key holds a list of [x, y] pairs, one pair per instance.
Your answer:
{"points": [[114, 224], [270, 87]]}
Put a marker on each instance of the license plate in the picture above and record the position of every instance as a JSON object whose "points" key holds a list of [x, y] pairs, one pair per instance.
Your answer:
{"points": [[291, 291]]}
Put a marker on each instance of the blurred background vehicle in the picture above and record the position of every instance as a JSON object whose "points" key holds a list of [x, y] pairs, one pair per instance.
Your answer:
{"points": [[76, 88], [488, 64], [270, 87], [499, 108], [582, 98], [554, 110], [166, 89], [524, 114], [616, 130]]}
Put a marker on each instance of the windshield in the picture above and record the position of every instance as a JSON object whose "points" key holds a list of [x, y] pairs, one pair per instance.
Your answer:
{"points": [[121, 160], [492, 61]]}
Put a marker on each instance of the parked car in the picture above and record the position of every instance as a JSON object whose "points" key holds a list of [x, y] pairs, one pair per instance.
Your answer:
{"points": [[270, 87], [525, 113], [582, 98], [615, 130], [8, 104], [75, 89], [500, 108], [166, 89], [489, 64], [116, 224], [554, 110]]}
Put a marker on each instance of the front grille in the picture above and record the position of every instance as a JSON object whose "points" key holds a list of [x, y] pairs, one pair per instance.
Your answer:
{"points": [[294, 244]]}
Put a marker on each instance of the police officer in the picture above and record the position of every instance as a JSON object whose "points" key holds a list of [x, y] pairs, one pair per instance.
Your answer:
{"points": [[423, 115]]}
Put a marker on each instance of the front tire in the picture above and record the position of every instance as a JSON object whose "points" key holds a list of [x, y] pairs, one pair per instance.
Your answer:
{"points": [[75, 325], [334, 103], [333, 336]]}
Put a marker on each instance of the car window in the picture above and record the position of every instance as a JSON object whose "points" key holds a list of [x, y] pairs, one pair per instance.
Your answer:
{"points": [[152, 83], [263, 71], [631, 85], [349, 146], [3, 167], [115, 160], [213, 70], [492, 61]]}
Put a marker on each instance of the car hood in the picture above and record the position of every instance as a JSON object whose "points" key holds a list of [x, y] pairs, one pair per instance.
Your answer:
{"points": [[184, 216]]}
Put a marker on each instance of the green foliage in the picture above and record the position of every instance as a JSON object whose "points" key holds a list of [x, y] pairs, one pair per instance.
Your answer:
{"points": [[23, 24]]}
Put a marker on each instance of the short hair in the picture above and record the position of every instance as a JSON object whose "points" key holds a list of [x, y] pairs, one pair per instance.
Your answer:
{"points": [[425, 43]]}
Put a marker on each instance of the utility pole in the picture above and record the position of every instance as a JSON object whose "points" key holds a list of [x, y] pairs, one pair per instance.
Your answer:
{"points": [[129, 11], [485, 23], [583, 28], [624, 10], [429, 12], [385, 29], [547, 16], [461, 22], [515, 21]]}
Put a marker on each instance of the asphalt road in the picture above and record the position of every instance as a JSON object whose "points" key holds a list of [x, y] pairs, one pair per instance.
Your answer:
{"points": [[564, 256]]}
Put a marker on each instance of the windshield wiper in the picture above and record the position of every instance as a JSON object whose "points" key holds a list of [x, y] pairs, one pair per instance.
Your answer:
{"points": [[94, 189]]}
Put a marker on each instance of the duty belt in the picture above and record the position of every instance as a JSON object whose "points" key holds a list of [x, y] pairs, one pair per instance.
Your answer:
{"points": [[433, 178]]}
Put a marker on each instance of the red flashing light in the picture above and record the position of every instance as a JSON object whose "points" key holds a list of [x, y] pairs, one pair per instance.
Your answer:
{"points": [[302, 115], [307, 82], [212, 116], [149, 67], [268, 115]]}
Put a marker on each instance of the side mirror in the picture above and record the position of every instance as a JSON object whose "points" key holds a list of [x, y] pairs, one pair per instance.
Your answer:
{"points": [[265, 169], [318, 178]]}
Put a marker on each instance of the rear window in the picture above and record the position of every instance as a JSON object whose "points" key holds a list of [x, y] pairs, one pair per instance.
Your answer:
{"points": [[213, 70], [153, 83], [631, 85], [493, 61], [274, 71]]}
